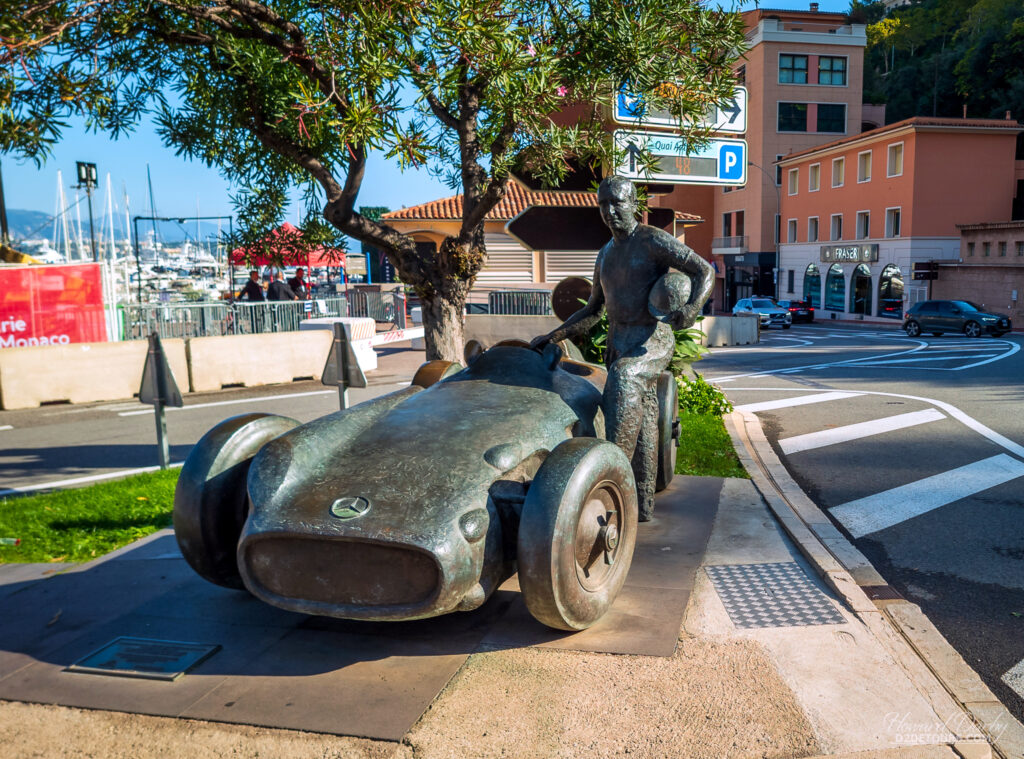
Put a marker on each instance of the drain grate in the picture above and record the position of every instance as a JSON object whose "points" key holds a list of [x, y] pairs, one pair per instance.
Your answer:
{"points": [[771, 595], [144, 657]]}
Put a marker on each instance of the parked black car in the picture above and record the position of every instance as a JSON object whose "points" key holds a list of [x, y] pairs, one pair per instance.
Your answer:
{"points": [[800, 310], [938, 316]]}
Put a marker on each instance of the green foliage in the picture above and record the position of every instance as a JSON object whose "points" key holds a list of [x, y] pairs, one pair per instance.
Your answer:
{"points": [[698, 396], [705, 449], [79, 525], [931, 58], [687, 348]]}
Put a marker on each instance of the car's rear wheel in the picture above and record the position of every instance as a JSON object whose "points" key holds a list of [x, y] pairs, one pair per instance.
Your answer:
{"points": [[972, 329], [668, 428], [577, 533], [912, 328], [210, 500]]}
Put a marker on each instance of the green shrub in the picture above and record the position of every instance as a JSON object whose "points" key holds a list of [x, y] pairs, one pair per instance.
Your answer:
{"points": [[687, 348], [697, 396]]}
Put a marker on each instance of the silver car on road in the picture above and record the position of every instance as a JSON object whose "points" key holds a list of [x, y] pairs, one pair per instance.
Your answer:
{"points": [[766, 310]]}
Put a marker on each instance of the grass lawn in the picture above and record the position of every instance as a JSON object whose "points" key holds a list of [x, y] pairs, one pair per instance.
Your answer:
{"points": [[81, 524], [705, 448]]}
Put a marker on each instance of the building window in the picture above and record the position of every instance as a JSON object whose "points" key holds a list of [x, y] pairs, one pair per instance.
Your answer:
{"points": [[863, 225], [1020, 247], [860, 291], [794, 181], [892, 223], [837, 226], [792, 117], [814, 177], [738, 219], [789, 281], [864, 166], [832, 118], [986, 248], [970, 249], [831, 70], [726, 225], [1002, 250], [894, 165], [778, 171], [890, 293], [791, 230], [792, 69], [812, 229], [835, 288], [838, 172], [812, 285]]}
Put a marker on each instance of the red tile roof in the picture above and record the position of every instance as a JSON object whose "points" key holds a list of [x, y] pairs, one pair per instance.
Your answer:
{"points": [[917, 122], [517, 199]]}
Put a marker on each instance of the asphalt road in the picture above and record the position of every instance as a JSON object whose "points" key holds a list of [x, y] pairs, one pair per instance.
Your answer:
{"points": [[915, 448]]}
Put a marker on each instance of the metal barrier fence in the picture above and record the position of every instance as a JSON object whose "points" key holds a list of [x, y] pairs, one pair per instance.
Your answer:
{"points": [[214, 319], [520, 302], [379, 306]]}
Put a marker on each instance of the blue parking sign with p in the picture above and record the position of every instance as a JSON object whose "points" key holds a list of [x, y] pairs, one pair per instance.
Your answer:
{"points": [[731, 162]]}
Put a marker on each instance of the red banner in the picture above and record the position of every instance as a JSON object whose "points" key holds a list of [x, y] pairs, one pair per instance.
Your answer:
{"points": [[51, 305]]}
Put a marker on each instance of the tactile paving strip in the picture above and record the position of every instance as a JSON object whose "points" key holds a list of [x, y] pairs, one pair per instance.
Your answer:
{"points": [[771, 595]]}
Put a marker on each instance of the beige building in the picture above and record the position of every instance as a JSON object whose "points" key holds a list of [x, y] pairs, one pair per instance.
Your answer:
{"points": [[990, 271]]}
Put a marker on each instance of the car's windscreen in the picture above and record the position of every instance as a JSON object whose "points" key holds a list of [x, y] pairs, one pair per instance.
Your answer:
{"points": [[965, 305], [763, 304]]}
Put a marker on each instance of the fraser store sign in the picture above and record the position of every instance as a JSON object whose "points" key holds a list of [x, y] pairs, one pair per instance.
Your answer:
{"points": [[51, 305], [857, 254]]}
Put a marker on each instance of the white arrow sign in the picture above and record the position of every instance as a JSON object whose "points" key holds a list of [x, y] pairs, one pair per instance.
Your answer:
{"points": [[729, 118], [722, 160]]}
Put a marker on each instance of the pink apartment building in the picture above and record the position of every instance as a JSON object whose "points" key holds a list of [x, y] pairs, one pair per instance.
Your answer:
{"points": [[859, 212]]}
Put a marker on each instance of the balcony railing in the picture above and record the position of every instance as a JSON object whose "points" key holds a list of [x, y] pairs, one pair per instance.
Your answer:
{"points": [[724, 246]]}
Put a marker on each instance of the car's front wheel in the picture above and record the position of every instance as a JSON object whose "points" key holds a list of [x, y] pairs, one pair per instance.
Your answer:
{"points": [[210, 500], [577, 533], [972, 329], [912, 328]]}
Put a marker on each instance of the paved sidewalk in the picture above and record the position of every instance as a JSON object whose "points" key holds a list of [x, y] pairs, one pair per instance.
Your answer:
{"points": [[779, 653]]}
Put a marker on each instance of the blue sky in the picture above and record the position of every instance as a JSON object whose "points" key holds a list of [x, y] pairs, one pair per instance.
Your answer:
{"points": [[179, 185]]}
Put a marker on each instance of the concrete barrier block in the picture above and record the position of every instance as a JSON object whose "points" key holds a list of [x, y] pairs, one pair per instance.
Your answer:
{"points": [[492, 328], [728, 330], [249, 360], [81, 372]]}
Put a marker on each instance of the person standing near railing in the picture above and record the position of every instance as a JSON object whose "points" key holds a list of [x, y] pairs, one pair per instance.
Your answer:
{"points": [[298, 284], [252, 291], [278, 290]]}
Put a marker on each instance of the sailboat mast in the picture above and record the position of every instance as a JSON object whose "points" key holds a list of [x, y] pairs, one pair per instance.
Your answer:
{"points": [[152, 204]]}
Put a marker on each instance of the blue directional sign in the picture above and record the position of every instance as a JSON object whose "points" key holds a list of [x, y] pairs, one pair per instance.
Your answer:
{"points": [[730, 117], [721, 160]]}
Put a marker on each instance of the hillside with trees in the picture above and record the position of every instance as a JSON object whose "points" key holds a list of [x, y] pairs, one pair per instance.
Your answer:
{"points": [[934, 57]]}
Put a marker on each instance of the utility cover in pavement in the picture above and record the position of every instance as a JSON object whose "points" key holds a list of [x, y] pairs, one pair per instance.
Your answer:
{"points": [[145, 657], [771, 595]]}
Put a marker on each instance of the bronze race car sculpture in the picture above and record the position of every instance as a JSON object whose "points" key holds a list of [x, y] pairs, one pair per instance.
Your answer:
{"points": [[423, 501]]}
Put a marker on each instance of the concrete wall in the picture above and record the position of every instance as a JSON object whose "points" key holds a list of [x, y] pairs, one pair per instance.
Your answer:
{"points": [[81, 373], [215, 362], [991, 287]]}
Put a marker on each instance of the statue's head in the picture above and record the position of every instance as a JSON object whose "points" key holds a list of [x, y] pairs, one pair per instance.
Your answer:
{"points": [[617, 199]]}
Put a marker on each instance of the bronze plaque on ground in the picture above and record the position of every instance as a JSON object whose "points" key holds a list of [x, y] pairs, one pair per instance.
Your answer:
{"points": [[145, 657]]}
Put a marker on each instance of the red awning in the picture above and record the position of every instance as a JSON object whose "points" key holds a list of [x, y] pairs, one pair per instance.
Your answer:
{"points": [[286, 240]]}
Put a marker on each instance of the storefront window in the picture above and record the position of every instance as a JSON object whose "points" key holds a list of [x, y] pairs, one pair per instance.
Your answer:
{"points": [[812, 286], [835, 289], [890, 293], [860, 291]]}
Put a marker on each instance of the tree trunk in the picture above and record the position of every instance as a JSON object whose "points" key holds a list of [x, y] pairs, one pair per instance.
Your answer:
{"points": [[442, 322]]}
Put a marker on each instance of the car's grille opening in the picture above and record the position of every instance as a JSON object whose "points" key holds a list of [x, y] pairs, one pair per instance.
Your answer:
{"points": [[342, 572]]}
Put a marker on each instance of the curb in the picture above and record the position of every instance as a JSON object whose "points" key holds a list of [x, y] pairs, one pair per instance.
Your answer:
{"points": [[954, 690]]}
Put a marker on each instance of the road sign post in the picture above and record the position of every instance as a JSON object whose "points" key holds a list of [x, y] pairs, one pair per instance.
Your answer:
{"points": [[721, 161], [342, 367], [159, 389]]}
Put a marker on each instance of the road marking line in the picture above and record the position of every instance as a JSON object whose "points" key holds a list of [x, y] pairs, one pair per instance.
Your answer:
{"points": [[953, 411], [81, 480], [1015, 678], [850, 432], [800, 400], [881, 510], [872, 362], [7, 427], [231, 403]]}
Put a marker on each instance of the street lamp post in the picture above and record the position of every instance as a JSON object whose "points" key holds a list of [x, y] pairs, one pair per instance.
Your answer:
{"points": [[778, 226], [87, 180]]}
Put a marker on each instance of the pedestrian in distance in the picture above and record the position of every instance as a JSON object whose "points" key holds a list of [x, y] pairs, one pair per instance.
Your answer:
{"points": [[298, 284], [252, 291], [278, 290]]}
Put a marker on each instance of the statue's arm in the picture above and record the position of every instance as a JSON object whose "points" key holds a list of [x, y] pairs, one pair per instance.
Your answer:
{"points": [[581, 322], [702, 275]]}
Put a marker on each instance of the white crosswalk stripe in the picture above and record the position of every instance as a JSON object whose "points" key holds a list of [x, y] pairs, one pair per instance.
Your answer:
{"points": [[850, 432], [891, 507], [800, 400], [1015, 679]]}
